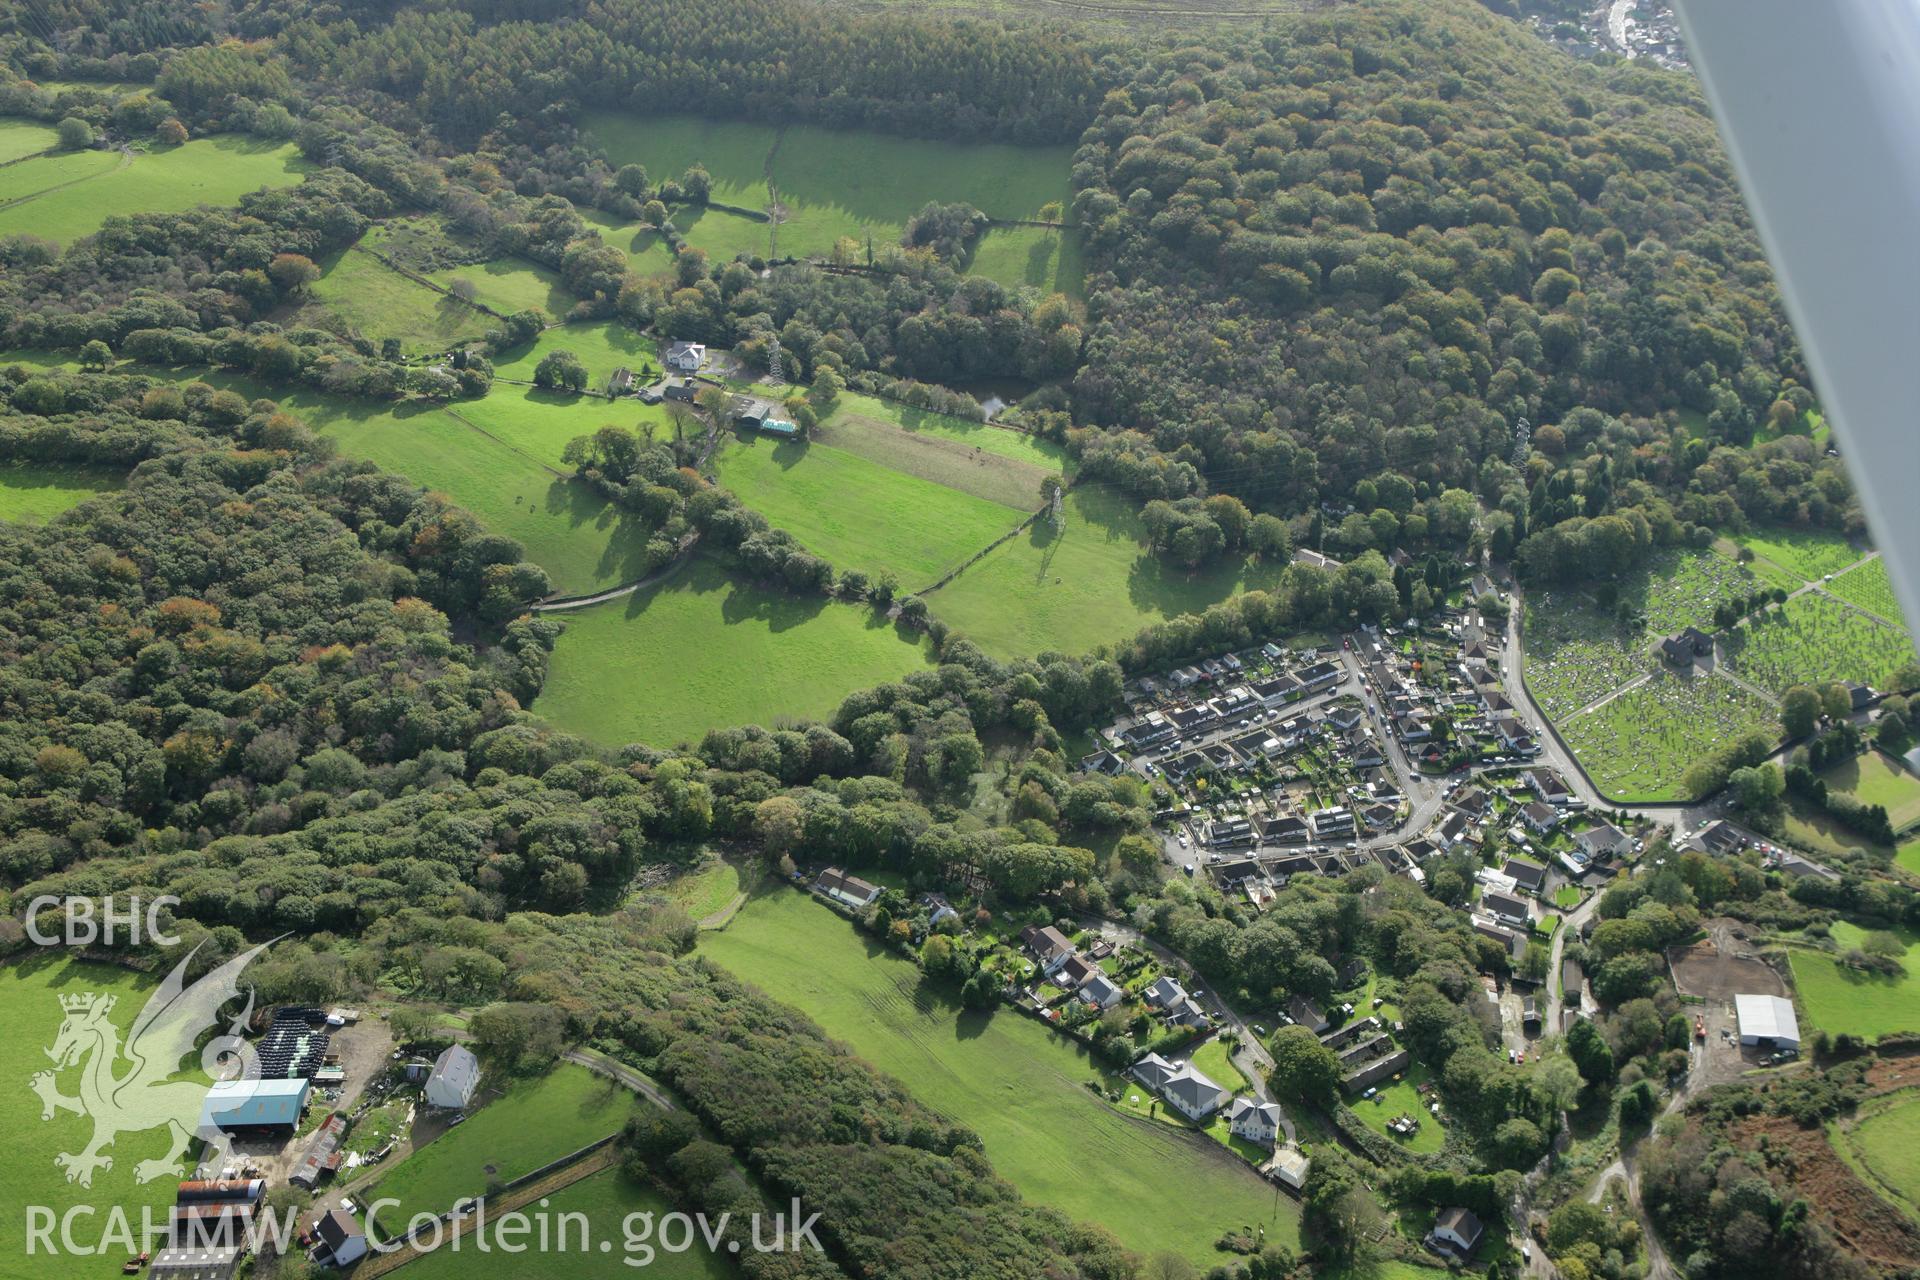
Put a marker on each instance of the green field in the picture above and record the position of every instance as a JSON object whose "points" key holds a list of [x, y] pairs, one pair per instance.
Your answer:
{"points": [[1813, 639], [837, 183], [1093, 583], [994, 463], [581, 540], [1867, 585], [378, 302], [541, 423], [34, 493], [706, 891], [30, 992], [854, 183], [1874, 779], [1835, 998], [19, 182], [605, 1201], [1639, 744], [1021, 1087], [509, 285], [215, 171], [1042, 258], [1402, 1097], [602, 346], [858, 513], [648, 253], [703, 650], [1808, 553], [22, 138], [1886, 1140], [532, 1122]]}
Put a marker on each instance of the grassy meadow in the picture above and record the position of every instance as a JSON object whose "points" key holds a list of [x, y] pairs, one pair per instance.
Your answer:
{"points": [[703, 650], [1836, 998], [531, 1122], [1020, 1086], [1809, 554], [540, 423], [1093, 583], [834, 183], [22, 138], [379, 303], [858, 513], [216, 170], [1886, 1140], [1044, 258], [30, 991], [34, 493], [647, 251], [604, 1201], [602, 345], [20, 182], [1402, 1097]]}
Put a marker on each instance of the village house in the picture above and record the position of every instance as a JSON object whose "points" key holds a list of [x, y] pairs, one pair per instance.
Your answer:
{"points": [[1185, 1089], [1332, 823], [1458, 1230], [1048, 946], [1603, 841], [1073, 971], [1255, 1121], [1540, 818], [1527, 877], [1471, 801], [1718, 837], [1453, 829], [1547, 785], [684, 357], [338, 1240], [456, 1074], [939, 910], [1101, 991], [1511, 940], [1509, 911], [1306, 1013]]}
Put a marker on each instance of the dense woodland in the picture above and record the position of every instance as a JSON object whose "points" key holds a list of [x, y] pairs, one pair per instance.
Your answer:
{"points": [[1331, 263]]}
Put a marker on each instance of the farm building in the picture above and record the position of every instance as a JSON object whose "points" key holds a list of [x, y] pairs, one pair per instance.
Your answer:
{"points": [[685, 357], [773, 426], [680, 390], [1603, 840], [216, 1262], [847, 890], [1458, 1229], [254, 1104], [322, 1155], [1767, 1022], [1290, 1166], [340, 1241], [456, 1074]]}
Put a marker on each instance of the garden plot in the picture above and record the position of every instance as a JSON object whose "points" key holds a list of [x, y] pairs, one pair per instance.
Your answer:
{"points": [[1812, 639], [1638, 744]]}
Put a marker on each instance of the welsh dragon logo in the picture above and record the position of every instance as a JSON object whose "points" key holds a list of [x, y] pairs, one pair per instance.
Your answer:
{"points": [[137, 1087]]}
